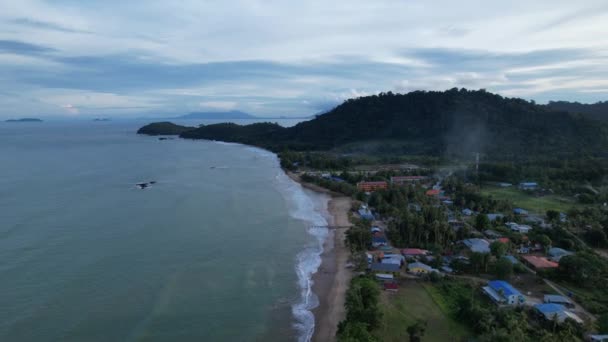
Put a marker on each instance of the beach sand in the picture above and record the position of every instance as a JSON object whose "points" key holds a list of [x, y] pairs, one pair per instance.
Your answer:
{"points": [[333, 278]]}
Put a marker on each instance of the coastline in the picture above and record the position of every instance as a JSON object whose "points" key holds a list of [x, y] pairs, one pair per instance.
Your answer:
{"points": [[332, 279]]}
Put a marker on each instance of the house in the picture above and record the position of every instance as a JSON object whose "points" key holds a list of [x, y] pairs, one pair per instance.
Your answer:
{"points": [[597, 338], [370, 258], [393, 287], [501, 292], [539, 262], [556, 253], [384, 268], [414, 207], [528, 185], [494, 216], [504, 184], [557, 299], [384, 277], [393, 261], [467, 212], [414, 252], [375, 230], [433, 192], [512, 259], [520, 211], [477, 245], [490, 234], [556, 312], [400, 180], [504, 240], [372, 186], [337, 179], [448, 202], [520, 228], [365, 213], [447, 269], [420, 268], [378, 241]]}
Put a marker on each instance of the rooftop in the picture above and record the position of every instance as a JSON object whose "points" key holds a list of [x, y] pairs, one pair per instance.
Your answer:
{"points": [[506, 288], [477, 245], [540, 262], [414, 251], [385, 267]]}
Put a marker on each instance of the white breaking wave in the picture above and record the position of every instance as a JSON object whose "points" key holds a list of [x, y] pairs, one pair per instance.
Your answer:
{"points": [[311, 209]]}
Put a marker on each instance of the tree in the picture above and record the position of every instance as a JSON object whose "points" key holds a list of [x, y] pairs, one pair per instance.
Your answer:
{"points": [[417, 330], [552, 215], [602, 324], [354, 332], [482, 221], [503, 269], [544, 240], [498, 249]]}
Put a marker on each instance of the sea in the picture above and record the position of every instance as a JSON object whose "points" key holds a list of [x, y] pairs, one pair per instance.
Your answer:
{"points": [[222, 247]]}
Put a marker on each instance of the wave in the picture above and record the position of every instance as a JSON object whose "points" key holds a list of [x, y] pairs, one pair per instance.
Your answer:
{"points": [[311, 208]]}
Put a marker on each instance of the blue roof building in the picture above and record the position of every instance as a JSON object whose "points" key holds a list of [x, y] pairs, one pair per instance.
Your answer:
{"points": [[380, 267], [501, 292], [379, 241], [556, 312], [520, 211], [528, 185], [512, 259], [477, 245]]}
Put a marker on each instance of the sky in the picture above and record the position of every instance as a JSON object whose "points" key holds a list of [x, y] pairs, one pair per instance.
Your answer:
{"points": [[110, 58]]}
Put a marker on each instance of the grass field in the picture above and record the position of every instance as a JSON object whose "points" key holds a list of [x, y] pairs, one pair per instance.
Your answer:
{"points": [[538, 205], [412, 302]]}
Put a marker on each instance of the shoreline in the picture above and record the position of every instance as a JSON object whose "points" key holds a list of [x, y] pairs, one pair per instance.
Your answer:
{"points": [[332, 279]]}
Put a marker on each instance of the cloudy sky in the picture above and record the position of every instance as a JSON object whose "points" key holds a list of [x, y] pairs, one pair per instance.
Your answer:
{"points": [[157, 58]]}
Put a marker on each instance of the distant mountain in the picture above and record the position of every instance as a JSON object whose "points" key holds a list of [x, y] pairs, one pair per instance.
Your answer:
{"points": [[456, 122], [24, 120], [598, 111], [231, 115]]}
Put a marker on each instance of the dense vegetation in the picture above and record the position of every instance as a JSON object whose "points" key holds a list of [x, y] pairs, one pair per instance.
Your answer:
{"points": [[597, 110], [454, 123], [362, 311], [163, 128]]}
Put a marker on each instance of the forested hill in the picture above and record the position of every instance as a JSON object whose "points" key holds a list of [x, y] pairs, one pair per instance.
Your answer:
{"points": [[454, 122], [598, 111]]}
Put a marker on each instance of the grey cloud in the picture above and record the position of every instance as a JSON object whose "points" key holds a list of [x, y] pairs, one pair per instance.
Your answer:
{"points": [[44, 25]]}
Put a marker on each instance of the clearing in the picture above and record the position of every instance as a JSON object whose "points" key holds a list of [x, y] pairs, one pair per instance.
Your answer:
{"points": [[538, 205], [413, 302]]}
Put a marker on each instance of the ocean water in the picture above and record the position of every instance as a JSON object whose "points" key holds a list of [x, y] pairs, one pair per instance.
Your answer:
{"points": [[219, 249]]}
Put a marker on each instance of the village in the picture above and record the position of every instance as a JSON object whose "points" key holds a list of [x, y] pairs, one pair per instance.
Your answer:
{"points": [[480, 241]]}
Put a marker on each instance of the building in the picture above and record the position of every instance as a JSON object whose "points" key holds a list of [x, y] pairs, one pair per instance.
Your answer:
{"points": [[467, 212], [491, 234], [520, 211], [556, 312], [501, 292], [420, 268], [477, 245], [504, 184], [520, 228], [372, 186], [393, 287], [433, 192], [384, 277], [378, 241], [597, 338], [494, 216], [556, 253], [414, 252], [384, 268], [557, 299], [400, 180], [512, 259], [365, 213], [376, 230], [528, 185], [539, 263]]}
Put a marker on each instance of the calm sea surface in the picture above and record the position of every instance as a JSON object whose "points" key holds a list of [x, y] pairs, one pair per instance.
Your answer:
{"points": [[219, 249]]}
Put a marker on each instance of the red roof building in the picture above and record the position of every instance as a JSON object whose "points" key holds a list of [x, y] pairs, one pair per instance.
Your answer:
{"points": [[391, 286], [414, 252], [433, 192], [372, 186], [504, 240], [540, 262]]}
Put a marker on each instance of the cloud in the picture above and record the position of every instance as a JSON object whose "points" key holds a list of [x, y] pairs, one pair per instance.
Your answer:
{"points": [[70, 109], [291, 58]]}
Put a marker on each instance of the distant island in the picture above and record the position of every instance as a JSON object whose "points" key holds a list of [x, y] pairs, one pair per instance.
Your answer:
{"points": [[24, 120], [230, 115], [101, 119], [163, 128], [456, 122]]}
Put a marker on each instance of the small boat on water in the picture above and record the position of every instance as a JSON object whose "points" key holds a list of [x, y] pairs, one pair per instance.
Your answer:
{"points": [[144, 185]]}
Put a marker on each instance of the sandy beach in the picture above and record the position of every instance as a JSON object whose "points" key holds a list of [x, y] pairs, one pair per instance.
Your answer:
{"points": [[332, 279]]}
